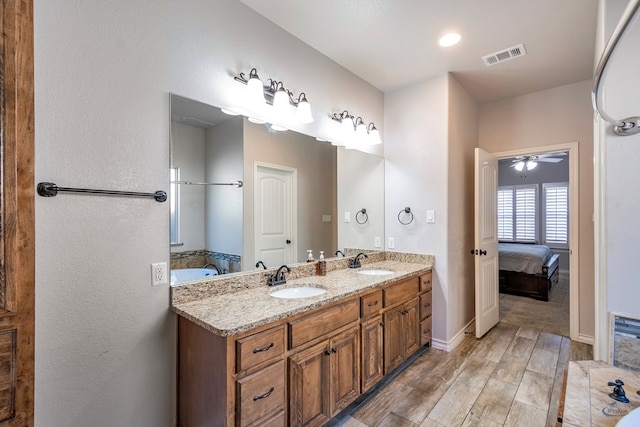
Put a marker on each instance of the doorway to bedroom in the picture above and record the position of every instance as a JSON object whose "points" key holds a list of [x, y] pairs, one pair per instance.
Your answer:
{"points": [[536, 255]]}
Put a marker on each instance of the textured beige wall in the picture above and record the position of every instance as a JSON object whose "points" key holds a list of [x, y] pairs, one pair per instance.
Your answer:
{"points": [[463, 138], [549, 117]]}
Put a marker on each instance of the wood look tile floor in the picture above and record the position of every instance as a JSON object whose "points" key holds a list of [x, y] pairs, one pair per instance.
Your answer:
{"points": [[511, 377]]}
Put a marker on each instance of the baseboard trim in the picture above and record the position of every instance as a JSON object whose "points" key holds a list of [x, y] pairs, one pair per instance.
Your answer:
{"points": [[585, 339], [456, 340], [563, 274]]}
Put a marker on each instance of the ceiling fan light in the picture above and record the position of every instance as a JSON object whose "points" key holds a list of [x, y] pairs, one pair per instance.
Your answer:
{"points": [[531, 165], [519, 166]]}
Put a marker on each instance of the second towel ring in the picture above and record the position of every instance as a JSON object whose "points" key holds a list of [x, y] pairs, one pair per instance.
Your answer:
{"points": [[406, 210], [362, 217]]}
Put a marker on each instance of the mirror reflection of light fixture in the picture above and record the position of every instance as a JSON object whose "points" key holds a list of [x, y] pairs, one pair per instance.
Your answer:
{"points": [[354, 133], [275, 94]]}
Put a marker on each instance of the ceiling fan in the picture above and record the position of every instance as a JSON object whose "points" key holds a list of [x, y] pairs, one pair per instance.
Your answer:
{"points": [[529, 162]]}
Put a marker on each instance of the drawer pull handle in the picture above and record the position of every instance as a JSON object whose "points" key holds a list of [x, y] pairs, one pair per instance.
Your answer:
{"points": [[426, 331], [427, 304], [258, 350], [373, 304], [267, 394]]}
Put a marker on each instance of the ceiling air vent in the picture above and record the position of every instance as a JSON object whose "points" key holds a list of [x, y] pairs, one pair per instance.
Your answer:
{"points": [[504, 55]]}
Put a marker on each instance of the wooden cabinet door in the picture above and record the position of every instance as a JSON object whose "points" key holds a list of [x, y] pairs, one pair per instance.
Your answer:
{"points": [[371, 339], [393, 339], [411, 327], [344, 385], [17, 253], [309, 386]]}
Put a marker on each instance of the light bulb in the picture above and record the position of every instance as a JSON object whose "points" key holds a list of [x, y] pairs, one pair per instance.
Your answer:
{"points": [[519, 166], [303, 112], [361, 133], [374, 136], [450, 39], [280, 100], [531, 165], [255, 91]]}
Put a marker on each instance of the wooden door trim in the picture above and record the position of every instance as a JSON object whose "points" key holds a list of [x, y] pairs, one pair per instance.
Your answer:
{"points": [[17, 141]]}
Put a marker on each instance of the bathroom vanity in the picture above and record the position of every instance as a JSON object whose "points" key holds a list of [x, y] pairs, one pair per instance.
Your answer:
{"points": [[246, 358]]}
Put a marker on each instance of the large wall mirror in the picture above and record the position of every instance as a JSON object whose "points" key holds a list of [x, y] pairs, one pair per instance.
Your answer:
{"points": [[242, 193]]}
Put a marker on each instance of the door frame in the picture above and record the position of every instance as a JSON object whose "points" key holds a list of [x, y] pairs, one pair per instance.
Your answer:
{"points": [[294, 204], [574, 240]]}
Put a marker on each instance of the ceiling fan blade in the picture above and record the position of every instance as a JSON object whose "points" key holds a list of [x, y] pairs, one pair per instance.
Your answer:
{"points": [[548, 160], [554, 154]]}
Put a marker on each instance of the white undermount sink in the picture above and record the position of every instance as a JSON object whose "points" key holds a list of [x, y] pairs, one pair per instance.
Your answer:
{"points": [[631, 419], [375, 272], [298, 292]]}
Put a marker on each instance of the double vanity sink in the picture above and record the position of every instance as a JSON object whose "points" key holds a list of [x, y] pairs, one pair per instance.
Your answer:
{"points": [[298, 353]]}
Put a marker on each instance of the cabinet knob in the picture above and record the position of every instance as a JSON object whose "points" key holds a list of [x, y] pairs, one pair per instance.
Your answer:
{"points": [[381, 323], [334, 350], [328, 352]]}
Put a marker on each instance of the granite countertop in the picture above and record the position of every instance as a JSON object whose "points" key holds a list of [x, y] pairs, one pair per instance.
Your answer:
{"points": [[234, 312], [587, 401]]}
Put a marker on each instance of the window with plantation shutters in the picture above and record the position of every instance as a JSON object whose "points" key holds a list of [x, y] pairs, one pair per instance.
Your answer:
{"points": [[556, 214], [505, 214], [517, 210]]}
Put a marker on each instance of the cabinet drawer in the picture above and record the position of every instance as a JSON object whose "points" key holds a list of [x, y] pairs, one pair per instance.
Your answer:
{"points": [[370, 304], [260, 395], [318, 324], [425, 331], [401, 292], [259, 348], [425, 282], [276, 421], [425, 305]]}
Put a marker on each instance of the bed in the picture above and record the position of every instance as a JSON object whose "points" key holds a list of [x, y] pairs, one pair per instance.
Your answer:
{"points": [[527, 270]]}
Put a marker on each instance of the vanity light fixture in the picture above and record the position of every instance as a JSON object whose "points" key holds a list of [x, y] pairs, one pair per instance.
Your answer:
{"points": [[355, 132], [277, 95]]}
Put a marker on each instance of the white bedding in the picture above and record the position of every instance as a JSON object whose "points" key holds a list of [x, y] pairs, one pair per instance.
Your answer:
{"points": [[522, 257]]}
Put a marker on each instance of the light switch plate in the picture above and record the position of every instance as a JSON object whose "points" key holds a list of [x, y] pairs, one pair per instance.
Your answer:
{"points": [[377, 242], [431, 217], [392, 243], [326, 218], [347, 217]]}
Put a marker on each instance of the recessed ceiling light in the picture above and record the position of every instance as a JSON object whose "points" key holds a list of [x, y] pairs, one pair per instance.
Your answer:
{"points": [[449, 39]]}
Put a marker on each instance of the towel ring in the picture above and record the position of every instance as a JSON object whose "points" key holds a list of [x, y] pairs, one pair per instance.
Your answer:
{"points": [[406, 210], [362, 217]]}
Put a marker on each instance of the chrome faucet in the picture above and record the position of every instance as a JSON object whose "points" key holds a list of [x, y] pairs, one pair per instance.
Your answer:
{"points": [[355, 263], [259, 263], [215, 267], [339, 252], [279, 277]]}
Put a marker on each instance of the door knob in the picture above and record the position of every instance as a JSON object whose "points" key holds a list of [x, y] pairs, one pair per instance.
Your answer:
{"points": [[483, 252], [288, 242]]}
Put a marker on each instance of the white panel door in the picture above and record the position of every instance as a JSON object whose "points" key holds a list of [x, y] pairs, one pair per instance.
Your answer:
{"points": [[274, 211], [486, 242]]}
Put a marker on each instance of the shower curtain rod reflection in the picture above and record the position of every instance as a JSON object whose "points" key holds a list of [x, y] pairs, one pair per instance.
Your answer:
{"points": [[237, 183]]}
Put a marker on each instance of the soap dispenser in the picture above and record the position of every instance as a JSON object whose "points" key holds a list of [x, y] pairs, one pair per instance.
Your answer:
{"points": [[310, 255], [321, 266]]}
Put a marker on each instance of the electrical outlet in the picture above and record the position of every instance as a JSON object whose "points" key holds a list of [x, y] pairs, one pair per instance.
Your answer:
{"points": [[347, 217], [392, 243], [377, 242], [159, 274]]}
